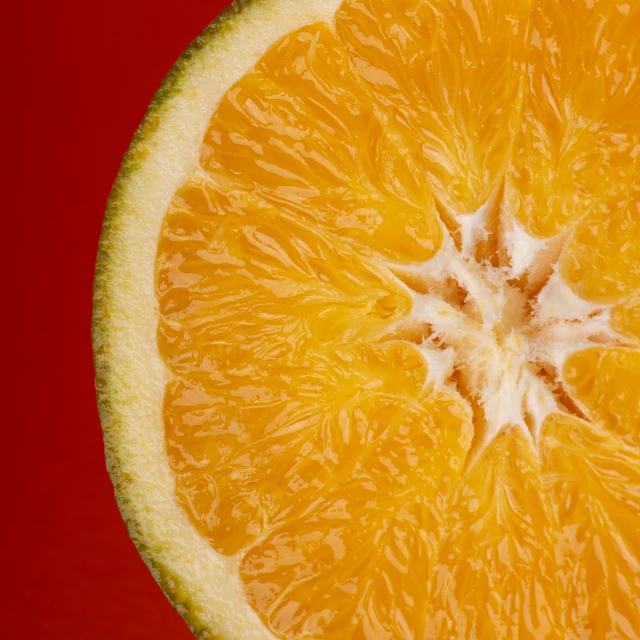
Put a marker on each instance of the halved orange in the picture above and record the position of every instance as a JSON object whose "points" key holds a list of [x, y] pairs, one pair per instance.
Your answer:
{"points": [[367, 322]]}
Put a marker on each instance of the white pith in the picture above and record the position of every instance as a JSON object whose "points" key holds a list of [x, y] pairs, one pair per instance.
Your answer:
{"points": [[497, 358]]}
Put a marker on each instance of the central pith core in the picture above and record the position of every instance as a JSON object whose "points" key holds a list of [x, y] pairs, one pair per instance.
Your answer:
{"points": [[497, 323]]}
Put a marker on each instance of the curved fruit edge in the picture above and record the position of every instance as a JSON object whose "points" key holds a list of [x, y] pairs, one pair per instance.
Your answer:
{"points": [[109, 278], [167, 579]]}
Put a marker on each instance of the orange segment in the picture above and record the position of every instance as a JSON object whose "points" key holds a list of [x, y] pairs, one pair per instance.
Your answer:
{"points": [[356, 564], [266, 440], [300, 133], [594, 482], [496, 574], [601, 261], [580, 131], [607, 383], [257, 321], [625, 317], [258, 285], [448, 76]]}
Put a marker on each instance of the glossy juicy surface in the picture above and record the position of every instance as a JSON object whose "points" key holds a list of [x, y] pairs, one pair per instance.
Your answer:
{"points": [[309, 434]]}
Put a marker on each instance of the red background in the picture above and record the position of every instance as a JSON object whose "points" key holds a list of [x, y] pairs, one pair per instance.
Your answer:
{"points": [[76, 79]]}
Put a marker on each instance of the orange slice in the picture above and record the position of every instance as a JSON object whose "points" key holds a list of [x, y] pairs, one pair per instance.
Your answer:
{"points": [[367, 324]]}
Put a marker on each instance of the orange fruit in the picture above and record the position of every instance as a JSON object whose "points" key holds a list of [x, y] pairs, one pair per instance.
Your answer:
{"points": [[367, 322]]}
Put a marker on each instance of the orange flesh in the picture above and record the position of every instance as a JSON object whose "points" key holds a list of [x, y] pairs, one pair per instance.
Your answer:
{"points": [[303, 425]]}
